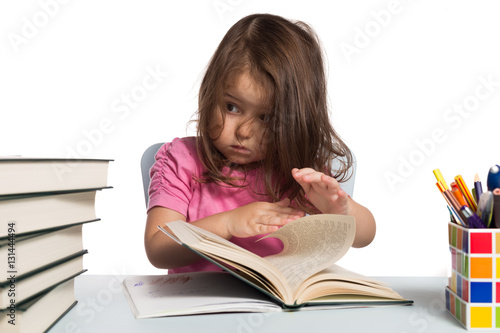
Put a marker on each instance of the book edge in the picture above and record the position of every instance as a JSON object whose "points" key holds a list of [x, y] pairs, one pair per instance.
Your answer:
{"points": [[27, 195], [45, 267]]}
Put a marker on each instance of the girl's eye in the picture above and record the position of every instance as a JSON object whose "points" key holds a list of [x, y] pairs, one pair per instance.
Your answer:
{"points": [[231, 108], [265, 117]]}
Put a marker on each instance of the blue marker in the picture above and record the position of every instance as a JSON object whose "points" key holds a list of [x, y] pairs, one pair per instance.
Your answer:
{"points": [[494, 178]]}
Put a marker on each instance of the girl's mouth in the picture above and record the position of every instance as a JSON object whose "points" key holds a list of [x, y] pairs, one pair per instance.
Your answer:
{"points": [[240, 149]]}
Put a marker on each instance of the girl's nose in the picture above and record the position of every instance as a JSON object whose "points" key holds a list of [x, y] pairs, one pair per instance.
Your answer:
{"points": [[245, 129]]}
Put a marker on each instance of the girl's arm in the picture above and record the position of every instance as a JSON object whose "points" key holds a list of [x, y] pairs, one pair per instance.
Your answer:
{"points": [[162, 251], [365, 223], [253, 219], [325, 194]]}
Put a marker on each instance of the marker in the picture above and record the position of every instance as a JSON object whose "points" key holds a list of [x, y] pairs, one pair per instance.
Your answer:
{"points": [[478, 187], [466, 192], [458, 194], [473, 220], [496, 207], [485, 208], [494, 178], [439, 177]]}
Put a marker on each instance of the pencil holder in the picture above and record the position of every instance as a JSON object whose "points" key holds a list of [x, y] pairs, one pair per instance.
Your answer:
{"points": [[473, 291]]}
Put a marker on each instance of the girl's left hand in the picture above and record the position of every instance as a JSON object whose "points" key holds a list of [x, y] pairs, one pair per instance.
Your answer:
{"points": [[323, 191]]}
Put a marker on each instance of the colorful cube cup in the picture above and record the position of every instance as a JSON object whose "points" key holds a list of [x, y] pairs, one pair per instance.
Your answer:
{"points": [[473, 291]]}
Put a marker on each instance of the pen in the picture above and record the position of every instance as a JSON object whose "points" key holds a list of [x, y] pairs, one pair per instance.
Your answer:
{"points": [[478, 187], [493, 181], [465, 191]]}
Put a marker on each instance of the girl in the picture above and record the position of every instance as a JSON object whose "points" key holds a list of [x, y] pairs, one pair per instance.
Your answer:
{"points": [[263, 151]]}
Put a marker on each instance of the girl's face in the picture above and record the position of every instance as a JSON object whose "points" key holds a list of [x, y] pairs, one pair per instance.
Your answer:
{"points": [[242, 139]]}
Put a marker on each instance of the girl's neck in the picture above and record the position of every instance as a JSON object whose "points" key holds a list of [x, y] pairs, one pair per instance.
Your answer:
{"points": [[245, 167]]}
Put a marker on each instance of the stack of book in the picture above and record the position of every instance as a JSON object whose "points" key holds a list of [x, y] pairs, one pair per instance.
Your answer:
{"points": [[44, 204]]}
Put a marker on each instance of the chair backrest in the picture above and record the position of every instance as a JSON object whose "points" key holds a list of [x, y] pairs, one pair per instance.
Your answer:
{"points": [[148, 159], [347, 186]]}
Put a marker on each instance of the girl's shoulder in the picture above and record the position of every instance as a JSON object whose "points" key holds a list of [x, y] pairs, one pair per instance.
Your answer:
{"points": [[180, 149], [186, 144]]}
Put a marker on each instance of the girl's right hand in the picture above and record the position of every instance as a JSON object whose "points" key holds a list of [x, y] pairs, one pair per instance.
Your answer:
{"points": [[260, 218]]}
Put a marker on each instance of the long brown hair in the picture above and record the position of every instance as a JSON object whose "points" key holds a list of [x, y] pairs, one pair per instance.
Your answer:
{"points": [[286, 59]]}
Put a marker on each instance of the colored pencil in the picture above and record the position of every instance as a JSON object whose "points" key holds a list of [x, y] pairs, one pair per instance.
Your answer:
{"points": [[478, 187], [440, 186], [453, 204]]}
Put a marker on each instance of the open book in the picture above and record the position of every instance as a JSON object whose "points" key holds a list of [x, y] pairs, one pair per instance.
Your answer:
{"points": [[304, 272]]}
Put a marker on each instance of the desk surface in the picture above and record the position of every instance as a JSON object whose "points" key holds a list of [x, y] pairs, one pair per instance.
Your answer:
{"points": [[102, 307]]}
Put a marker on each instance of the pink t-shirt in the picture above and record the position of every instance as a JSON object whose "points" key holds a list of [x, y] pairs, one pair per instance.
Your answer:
{"points": [[173, 186]]}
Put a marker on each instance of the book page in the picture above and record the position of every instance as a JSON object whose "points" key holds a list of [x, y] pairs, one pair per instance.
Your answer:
{"points": [[312, 244], [192, 293], [211, 245], [336, 279]]}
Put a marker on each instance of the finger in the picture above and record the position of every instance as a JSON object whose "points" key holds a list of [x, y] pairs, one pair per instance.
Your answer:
{"points": [[323, 184], [330, 187], [343, 197], [270, 220], [322, 188], [297, 175], [331, 183], [279, 219], [313, 177], [303, 171], [266, 229], [306, 173], [342, 193], [280, 211], [304, 185], [284, 203]]}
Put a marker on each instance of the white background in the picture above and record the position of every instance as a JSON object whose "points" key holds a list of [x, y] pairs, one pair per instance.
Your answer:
{"points": [[398, 73]]}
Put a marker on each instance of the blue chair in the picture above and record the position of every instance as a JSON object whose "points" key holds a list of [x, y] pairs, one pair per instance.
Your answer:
{"points": [[148, 159]]}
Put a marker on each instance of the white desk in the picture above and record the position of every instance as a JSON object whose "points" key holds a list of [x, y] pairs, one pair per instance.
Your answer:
{"points": [[102, 307]]}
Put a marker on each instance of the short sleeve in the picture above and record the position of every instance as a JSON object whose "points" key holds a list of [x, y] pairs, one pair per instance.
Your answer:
{"points": [[171, 175]]}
